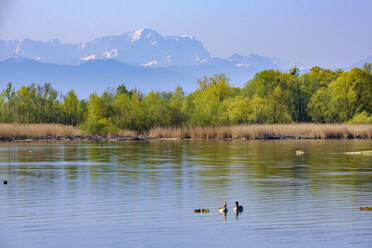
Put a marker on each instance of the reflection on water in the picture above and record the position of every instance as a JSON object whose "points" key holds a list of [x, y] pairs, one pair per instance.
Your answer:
{"points": [[142, 194]]}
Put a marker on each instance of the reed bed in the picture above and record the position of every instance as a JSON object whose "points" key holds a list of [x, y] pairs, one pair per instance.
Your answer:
{"points": [[38, 130], [257, 131]]}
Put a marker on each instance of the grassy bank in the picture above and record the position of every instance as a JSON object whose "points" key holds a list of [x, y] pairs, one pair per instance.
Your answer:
{"points": [[306, 131], [21, 131], [38, 130], [310, 131]]}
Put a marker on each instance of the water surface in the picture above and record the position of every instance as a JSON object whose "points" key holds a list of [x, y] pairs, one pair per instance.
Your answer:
{"points": [[142, 194]]}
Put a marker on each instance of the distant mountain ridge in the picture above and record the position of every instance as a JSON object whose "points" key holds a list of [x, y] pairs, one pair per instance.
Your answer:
{"points": [[91, 77], [95, 75], [144, 47], [142, 59], [360, 63]]}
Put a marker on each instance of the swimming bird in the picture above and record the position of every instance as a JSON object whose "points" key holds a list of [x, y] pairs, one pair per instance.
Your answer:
{"points": [[205, 210], [300, 152], [224, 209], [238, 208], [198, 210]]}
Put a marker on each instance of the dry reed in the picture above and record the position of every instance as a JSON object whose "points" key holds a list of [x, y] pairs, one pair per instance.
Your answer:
{"points": [[126, 133], [304, 130], [49, 130], [38, 130]]}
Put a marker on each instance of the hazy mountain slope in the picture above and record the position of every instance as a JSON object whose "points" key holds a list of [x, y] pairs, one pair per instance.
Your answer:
{"points": [[238, 68], [90, 77], [144, 59], [360, 63]]}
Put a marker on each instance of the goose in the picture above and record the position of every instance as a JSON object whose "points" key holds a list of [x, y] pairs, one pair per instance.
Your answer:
{"points": [[224, 209], [238, 208]]}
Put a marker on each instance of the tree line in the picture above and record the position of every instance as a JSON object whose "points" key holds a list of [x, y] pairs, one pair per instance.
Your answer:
{"points": [[320, 95]]}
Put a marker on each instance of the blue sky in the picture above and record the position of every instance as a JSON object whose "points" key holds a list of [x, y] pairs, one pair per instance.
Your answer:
{"points": [[330, 33]]}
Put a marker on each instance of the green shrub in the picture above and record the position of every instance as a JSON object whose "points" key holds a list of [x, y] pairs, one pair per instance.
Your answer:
{"points": [[102, 127], [361, 118]]}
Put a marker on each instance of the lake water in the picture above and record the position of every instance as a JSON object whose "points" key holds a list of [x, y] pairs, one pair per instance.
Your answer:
{"points": [[142, 194]]}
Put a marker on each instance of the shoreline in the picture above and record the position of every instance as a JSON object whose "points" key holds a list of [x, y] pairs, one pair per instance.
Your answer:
{"points": [[124, 139], [58, 132]]}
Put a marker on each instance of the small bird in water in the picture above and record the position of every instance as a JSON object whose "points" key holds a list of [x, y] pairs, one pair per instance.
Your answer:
{"points": [[300, 152], [203, 210], [5, 182], [224, 209], [238, 208]]}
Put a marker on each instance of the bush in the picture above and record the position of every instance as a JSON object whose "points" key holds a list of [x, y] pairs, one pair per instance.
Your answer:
{"points": [[361, 118], [102, 127]]}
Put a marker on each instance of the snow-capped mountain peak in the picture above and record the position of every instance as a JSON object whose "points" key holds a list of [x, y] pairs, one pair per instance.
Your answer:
{"points": [[137, 47]]}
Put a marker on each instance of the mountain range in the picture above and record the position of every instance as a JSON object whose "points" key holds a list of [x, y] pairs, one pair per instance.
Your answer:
{"points": [[142, 59], [144, 47]]}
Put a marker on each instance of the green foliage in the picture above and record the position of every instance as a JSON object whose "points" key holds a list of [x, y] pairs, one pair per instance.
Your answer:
{"points": [[321, 95], [262, 84], [278, 108], [308, 84], [205, 106], [260, 112], [350, 93], [31, 104], [73, 109], [238, 110], [368, 68], [318, 106], [361, 118], [101, 127], [177, 103]]}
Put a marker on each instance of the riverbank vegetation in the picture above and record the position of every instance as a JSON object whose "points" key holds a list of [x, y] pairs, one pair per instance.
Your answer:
{"points": [[271, 97], [38, 130], [9, 132], [267, 131]]}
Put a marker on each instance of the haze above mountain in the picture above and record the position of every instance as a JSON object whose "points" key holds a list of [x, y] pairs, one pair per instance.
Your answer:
{"points": [[143, 59]]}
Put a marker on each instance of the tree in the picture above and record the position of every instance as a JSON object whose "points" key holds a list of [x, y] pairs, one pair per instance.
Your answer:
{"points": [[207, 101], [71, 109], [96, 108], [123, 110], [307, 85], [368, 67], [259, 110], [318, 106], [158, 111], [177, 107], [262, 84], [350, 93], [278, 106], [239, 110]]}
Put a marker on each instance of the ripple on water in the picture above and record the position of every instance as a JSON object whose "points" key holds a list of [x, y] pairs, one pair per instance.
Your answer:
{"points": [[142, 194]]}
